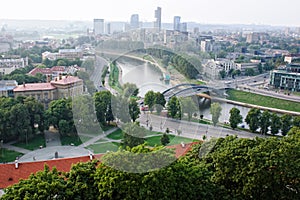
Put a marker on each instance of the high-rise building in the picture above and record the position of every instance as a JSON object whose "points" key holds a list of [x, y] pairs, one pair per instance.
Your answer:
{"points": [[183, 27], [98, 26], [158, 18], [134, 21], [176, 23], [108, 29]]}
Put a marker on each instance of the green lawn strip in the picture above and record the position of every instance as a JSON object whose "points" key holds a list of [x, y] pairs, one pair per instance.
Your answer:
{"points": [[8, 155], [101, 140], [155, 140], [107, 127], [114, 78], [33, 143], [76, 140], [116, 135], [104, 147], [256, 99]]}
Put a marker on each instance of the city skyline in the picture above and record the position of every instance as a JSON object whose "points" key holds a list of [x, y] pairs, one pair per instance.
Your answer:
{"points": [[263, 12]]}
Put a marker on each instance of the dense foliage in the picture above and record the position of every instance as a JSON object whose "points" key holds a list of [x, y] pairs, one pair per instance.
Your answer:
{"points": [[229, 168]]}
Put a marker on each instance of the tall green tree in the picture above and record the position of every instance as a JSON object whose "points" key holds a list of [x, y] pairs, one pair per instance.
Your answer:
{"points": [[215, 111], [188, 106], [265, 122], [102, 105], [174, 108], [130, 89], [150, 99], [134, 110], [253, 118], [160, 102], [286, 123], [133, 135], [21, 121], [164, 139], [275, 124], [235, 118]]}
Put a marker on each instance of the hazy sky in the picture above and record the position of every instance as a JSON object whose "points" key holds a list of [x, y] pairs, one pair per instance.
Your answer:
{"points": [[273, 12]]}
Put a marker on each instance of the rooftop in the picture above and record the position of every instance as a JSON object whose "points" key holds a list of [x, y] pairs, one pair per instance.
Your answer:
{"points": [[44, 71], [34, 87], [66, 80]]}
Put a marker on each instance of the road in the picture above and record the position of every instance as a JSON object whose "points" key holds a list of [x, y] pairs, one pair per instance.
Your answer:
{"points": [[96, 76], [190, 129]]}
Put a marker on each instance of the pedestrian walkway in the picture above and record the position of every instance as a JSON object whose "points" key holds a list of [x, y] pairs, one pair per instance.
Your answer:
{"points": [[17, 149], [95, 139]]}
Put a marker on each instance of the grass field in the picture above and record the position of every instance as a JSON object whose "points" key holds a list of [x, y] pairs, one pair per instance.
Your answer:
{"points": [[155, 140], [104, 147], [116, 135], [8, 155], [34, 143], [256, 99]]}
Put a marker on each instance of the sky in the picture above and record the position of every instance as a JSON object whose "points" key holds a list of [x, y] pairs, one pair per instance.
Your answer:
{"points": [[264, 12]]}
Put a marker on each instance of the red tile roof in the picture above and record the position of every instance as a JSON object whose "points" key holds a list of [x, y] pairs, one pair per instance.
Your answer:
{"points": [[45, 71], [66, 80], [58, 69], [34, 87], [9, 175]]}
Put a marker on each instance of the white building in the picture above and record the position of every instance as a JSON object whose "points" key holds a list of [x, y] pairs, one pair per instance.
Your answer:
{"points": [[8, 65], [98, 26], [213, 67], [70, 54]]}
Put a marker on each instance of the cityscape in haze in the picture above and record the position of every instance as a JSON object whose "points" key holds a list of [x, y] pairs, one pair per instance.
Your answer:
{"points": [[150, 99]]}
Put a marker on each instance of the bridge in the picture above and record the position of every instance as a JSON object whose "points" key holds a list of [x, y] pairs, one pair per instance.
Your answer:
{"points": [[189, 89]]}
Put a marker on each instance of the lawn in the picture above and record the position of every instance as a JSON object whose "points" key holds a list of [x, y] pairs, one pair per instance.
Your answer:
{"points": [[8, 155], [256, 99], [104, 147], [155, 140], [33, 143], [116, 135], [67, 140]]}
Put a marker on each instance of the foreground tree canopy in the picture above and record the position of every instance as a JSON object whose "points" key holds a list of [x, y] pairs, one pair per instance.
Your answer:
{"points": [[229, 168]]}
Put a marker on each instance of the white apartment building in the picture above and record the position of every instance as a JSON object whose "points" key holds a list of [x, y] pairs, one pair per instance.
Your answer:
{"points": [[7, 65]]}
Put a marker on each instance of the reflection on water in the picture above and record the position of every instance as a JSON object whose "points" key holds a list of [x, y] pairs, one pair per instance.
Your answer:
{"points": [[148, 77], [144, 75]]}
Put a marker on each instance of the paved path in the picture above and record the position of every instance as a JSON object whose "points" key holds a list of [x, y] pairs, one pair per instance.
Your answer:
{"points": [[95, 139], [14, 148]]}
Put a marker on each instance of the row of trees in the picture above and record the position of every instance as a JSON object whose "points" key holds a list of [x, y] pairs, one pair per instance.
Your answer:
{"points": [[224, 168]]}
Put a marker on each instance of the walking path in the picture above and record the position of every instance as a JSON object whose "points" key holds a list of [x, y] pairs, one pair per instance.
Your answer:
{"points": [[54, 149]]}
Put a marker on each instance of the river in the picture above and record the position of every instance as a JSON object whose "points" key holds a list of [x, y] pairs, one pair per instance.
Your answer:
{"points": [[148, 77]]}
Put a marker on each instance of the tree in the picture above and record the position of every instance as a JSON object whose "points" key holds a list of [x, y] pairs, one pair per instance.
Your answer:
{"points": [[159, 102], [150, 99], [265, 122], [253, 118], [102, 105], [58, 110], [134, 110], [47, 184], [174, 108], [188, 106], [133, 135], [36, 113], [222, 74], [296, 121], [286, 123], [21, 121], [130, 89], [215, 111], [249, 72], [164, 139], [235, 118], [275, 124]]}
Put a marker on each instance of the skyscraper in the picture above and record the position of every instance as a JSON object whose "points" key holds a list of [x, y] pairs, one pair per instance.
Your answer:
{"points": [[158, 18], [98, 26], [176, 23], [134, 21], [183, 27]]}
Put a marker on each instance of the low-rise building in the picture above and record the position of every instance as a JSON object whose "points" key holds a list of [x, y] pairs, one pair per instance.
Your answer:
{"points": [[60, 87], [7, 65], [7, 88], [283, 79], [70, 54], [244, 66], [213, 67]]}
